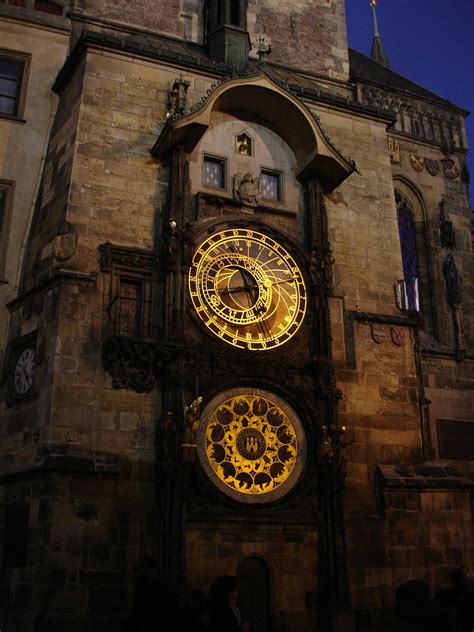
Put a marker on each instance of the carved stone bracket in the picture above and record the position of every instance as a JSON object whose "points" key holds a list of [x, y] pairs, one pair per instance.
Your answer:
{"points": [[132, 365], [121, 255]]}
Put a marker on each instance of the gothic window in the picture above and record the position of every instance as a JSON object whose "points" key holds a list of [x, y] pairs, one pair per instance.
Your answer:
{"points": [[220, 12], [415, 250], [406, 229], [234, 10]]}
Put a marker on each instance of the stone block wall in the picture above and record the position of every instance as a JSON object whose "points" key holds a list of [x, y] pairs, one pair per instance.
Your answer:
{"points": [[362, 218], [86, 532], [311, 36], [422, 535]]}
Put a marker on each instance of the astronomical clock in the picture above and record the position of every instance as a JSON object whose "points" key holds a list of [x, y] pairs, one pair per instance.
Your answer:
{"points": [[247, 289]]}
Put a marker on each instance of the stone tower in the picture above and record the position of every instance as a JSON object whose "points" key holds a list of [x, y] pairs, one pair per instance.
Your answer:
{"points": [[239, 319]]}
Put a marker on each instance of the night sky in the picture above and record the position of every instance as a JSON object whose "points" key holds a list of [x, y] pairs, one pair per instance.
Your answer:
{"points": [[430, 42]]}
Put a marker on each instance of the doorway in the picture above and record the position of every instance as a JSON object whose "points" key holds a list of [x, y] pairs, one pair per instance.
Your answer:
{"points": [[254, 593]]}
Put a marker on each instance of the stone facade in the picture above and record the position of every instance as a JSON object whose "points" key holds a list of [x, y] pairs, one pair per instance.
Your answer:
{"points": [[96, 483]]}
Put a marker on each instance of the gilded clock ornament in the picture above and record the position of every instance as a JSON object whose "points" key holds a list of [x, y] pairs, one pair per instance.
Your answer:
{"points": [[24, 371], [247, 289], [252, 445]]}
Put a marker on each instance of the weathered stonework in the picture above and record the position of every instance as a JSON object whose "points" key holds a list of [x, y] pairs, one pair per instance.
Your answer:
{"points": [[95, 451]]}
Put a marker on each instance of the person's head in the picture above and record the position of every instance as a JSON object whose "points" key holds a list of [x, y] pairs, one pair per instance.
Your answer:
{"points": [[224, 590], [411, 598]]}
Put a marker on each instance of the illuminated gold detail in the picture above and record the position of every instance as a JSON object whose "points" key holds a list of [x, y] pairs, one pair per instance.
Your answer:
{"points": [[251, 444], [247, 289]]}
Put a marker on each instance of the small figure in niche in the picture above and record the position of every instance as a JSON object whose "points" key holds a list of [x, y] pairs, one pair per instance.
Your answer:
{"points": [[453, 281], [244, 145]]}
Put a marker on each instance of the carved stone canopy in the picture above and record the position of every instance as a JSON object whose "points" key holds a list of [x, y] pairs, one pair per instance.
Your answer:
{"points": [[263, 99]]}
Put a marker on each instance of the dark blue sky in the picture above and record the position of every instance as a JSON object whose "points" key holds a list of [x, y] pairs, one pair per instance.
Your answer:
{"points": [[430, 42]]}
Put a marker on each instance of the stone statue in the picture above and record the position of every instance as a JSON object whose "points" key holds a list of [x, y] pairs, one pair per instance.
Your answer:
{"points": [[177, 98], [453, 281], [248, 190], [192, 420], [166, 437]]}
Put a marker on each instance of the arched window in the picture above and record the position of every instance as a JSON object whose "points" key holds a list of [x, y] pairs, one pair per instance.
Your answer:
{"points": [[415, 250], [406, 229]]}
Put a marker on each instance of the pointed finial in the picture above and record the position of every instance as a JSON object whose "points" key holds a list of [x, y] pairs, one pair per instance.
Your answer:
{"points": [[373, 4], [378, 53]]}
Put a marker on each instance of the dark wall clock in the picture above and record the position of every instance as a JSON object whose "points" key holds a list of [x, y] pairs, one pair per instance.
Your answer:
{"points": [[247, 289], [24, 371]]}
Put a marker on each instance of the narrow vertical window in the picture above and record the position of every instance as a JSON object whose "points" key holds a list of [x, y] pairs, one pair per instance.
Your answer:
{"points": [[16, 534], [235, 12], [406, 229], [130, 307], [6, 190]]}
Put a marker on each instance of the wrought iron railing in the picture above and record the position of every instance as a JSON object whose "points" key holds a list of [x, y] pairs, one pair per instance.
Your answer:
{"points": [[131, 317]]}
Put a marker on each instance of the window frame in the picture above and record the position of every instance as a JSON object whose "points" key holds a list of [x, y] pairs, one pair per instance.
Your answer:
{"points": [[272, 172], [123, 274], [215, 159], [20, 98], [5, 223]]}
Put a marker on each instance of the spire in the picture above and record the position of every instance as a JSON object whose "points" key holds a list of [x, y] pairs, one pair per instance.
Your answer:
{"points": [[378, 52]]}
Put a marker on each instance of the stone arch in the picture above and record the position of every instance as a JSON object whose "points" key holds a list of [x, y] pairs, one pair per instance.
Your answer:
{"points": [[262, 100], [407, 193]]}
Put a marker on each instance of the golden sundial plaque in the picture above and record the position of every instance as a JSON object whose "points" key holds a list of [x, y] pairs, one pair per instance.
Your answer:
{"points": [[251, 444], [247, 289]]}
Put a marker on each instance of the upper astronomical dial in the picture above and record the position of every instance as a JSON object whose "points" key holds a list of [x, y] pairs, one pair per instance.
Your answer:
{"points": [[247, 289]]}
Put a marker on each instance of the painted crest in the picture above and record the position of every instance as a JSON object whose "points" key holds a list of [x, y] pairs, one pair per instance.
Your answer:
{"points": [[398, 336], [64, 246], [449, 168], [417, 162], [378, 333], [394, 149], [432, 166]]}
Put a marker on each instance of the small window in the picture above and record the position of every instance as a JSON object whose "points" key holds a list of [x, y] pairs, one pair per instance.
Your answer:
{"points": [[130, 311], [270, 185], [16, 534], [12, 75], [214, 172]]}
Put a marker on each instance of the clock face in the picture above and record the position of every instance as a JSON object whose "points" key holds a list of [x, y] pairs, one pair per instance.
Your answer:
{"points": [[251, 444], [24, 371], [247, 289]]}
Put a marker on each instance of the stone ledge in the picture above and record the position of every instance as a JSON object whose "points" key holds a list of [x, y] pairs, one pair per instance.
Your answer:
{"points": [[58, 459], [423, 477]]}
